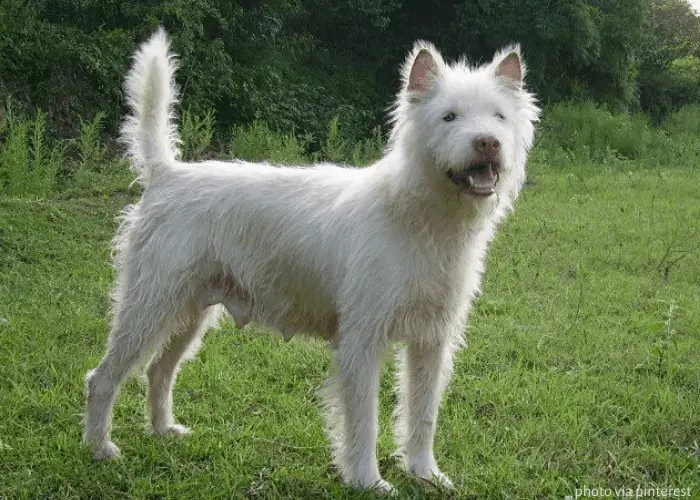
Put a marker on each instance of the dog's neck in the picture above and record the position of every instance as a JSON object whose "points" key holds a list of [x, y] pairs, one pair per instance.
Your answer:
{"points": [[425, 201]]}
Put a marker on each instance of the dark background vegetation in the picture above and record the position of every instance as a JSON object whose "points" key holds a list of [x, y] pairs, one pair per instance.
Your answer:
{"points": [[296, 64]]}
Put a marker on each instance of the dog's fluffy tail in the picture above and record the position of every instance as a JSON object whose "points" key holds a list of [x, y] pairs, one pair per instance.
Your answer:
{"points": [[150, 130]]}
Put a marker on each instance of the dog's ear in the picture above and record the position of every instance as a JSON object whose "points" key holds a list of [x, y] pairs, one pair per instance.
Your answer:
{"points": [[509, 67], [422, 67]]}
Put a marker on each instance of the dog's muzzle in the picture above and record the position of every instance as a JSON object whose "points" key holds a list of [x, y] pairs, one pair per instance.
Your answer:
{"points": [[479, 179]]}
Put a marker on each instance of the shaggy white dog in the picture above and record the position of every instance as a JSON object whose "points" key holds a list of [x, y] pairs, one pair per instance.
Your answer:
{"points": [[360, 257]]}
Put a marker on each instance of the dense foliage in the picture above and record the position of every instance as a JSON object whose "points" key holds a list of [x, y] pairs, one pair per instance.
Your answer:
{"points": [[669, 58], [296, 64]]}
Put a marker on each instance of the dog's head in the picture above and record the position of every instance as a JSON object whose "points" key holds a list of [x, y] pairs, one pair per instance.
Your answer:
{"points": [[474, 125]]}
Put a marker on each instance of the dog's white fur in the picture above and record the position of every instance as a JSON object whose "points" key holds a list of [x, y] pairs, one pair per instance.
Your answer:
{"points": [[360, 257]]}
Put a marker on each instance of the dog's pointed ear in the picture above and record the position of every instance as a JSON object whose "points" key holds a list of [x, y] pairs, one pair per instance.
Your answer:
{"points": [[509, 67], [422, 67]]}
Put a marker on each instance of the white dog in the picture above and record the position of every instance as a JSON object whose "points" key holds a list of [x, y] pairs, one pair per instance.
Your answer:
{"points": [[360, 257]]}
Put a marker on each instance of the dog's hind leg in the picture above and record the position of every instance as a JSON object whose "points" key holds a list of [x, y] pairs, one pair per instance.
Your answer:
{"points": [[424, 370], [141, 325], [165, 365]]}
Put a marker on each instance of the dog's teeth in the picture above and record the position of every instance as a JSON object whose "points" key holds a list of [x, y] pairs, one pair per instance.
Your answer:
{"points": [[471, 180]]}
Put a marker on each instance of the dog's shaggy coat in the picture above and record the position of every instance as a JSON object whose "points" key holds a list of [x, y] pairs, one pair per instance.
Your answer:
{"points": [[360, 257]]}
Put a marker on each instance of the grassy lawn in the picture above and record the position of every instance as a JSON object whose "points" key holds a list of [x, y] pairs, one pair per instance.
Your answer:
{"points": [[583, 365]]}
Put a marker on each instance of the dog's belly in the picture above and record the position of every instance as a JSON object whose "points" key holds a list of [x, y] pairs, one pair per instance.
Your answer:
{"points": [[272, 308], [294, 312], [223, 289]]}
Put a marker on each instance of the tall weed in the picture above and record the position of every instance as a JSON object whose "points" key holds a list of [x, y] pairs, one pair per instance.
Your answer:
{"points": [[685, 121], [197, 132], [369, 150], [28, 163], [45, 160], [682, 132], [91, 150], [593, 133], [15, 162], [256, 142], [335, 148]]}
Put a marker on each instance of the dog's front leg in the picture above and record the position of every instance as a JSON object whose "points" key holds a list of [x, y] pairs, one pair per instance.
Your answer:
{"points": [[354, 414], [424, 371]]}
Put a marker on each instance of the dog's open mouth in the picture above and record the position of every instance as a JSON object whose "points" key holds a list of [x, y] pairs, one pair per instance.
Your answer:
{"points": [[479, 179]]}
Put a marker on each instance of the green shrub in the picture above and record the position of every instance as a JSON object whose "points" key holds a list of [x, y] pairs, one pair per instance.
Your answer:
{"points": [[684, 121], [91, 150], [256, 142], [34, 164], [593, 133], [196, 132], [14, 157], [28, 163], [335, 148], [670, 87], [681, 131], [369, 150]]}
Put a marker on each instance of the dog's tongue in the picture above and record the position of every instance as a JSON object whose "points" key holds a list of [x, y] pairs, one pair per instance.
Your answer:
{"points": [[481, 180]]}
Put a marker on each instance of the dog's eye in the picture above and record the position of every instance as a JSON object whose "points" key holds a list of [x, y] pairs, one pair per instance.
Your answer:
{"points": [[500, 116], [449, 117]]}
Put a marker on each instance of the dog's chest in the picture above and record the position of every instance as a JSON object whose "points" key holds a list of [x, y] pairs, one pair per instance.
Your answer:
{"points": [[436, 295]]}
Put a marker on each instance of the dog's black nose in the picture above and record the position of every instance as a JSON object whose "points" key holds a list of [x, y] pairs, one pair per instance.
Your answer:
{"points": [[487, 145]]}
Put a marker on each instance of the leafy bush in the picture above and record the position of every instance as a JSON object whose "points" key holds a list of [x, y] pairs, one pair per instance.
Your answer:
{"points": [[685, 121], [682, 132], [370, 149], [668, 58], [335, 148], [34, 163], [257, 142], [28, 163], [196, 133], [671, 87], [297, 64], [91, 150], [593, 133]]}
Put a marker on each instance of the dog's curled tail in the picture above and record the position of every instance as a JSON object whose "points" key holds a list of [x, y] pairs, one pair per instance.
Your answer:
{"points": [[150, 130]]}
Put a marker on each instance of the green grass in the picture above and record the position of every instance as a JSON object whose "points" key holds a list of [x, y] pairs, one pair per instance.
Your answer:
{"points": [[583, 365]]}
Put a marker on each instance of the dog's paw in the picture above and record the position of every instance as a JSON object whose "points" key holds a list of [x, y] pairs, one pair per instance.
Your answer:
{"points": [[179, 430], [425, 468], [106, 451], [436, 478], [383, 488], [379, 487], [173, 430]]}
